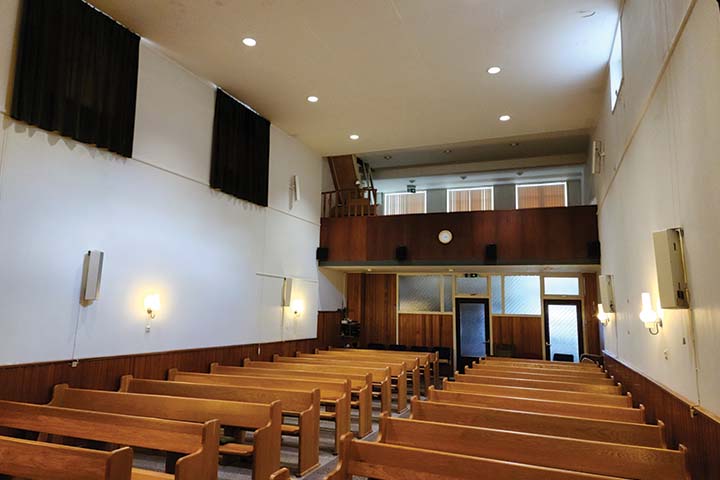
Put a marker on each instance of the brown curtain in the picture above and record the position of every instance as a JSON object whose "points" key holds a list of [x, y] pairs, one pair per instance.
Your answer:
{"points": [[470, 200], [404, 203], [541, 196]]}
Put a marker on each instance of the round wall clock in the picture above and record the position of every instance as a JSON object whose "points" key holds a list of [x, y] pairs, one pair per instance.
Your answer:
{"points": [[445, 236]]}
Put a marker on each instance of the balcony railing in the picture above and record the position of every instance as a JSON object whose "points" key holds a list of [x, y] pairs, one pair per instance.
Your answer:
{"points": [[353, 202]]}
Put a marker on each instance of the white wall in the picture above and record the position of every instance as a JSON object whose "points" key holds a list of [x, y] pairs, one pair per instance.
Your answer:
{"points": [[217, 262], [666, 177]]}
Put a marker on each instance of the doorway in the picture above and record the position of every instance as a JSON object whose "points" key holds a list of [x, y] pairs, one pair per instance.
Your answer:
{"points": [[472, 329], [563, 330]]}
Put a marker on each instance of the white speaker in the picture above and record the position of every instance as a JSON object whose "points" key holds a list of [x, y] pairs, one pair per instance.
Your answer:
{"points": [[296, 188], [92, 273], [670, 265], [287, 292], [607, 296], [597, 156]]}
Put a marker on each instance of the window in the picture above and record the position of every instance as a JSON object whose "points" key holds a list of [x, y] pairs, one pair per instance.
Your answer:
{"points": [[470, 199], [562, 285], [405, 203], [425, 293], [541, 195], [616, 67], [522, 294], [472, 285]]}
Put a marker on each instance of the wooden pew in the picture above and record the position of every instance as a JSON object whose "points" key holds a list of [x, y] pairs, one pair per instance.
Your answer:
{"points": [[360, 385], [263, 419], [428, 360], [413, 363], [197, 442], [532, 383], [540, 393], [383, 461], [546, 371], [543, 375], [542, 363], [377, 374], [379, 371], [336, 392], [600, 412], [303, 404], [46, 461], [544, 424], [599, 458]]}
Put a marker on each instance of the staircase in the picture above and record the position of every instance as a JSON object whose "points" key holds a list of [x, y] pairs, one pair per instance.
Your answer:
{"points": [[355, 194]]}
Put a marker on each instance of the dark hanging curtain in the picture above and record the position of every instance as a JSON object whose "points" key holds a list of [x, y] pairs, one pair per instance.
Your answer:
{"points": [[76, 74], [240, 151]]}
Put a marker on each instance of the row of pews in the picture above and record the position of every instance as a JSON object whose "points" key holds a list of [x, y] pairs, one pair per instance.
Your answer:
{"points": [[197, 418], [518, 419]]}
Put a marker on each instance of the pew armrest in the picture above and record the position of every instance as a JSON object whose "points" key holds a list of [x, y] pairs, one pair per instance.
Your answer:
{"points": [[282, 474]]}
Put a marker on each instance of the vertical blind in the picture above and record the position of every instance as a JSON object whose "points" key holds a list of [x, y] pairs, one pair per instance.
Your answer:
{"points": [[240, 151], [471, 199], [76, 74], [539, 196], [404, 203]]}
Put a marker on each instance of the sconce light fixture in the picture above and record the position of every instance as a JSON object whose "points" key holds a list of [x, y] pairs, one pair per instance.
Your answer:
{"points": [[602, 317], [297, 307], [648, 316], [152, 306]]}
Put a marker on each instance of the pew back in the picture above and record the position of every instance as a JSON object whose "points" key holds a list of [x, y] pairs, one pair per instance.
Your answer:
{"points": [[46, 461], [534, 383]]}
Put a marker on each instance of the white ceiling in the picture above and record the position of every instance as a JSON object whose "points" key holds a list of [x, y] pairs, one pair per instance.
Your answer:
{"points": [[400, 73]]}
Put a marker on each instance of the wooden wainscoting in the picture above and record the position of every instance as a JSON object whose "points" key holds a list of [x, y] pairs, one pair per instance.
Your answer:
{"points": [[523, 332], [695, 428], [34, 382], [591, 325], [425, 329], [372, 300]]}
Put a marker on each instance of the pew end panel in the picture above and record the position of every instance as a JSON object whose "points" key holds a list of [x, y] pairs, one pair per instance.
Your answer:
{"points": [[267, 441], [203, 462]]}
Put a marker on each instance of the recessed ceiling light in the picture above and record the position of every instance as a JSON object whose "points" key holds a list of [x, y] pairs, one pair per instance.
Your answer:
{"points": [[463, 177], [514, 144], [312, 99], [387, 157], [250, 42], [504, 118], [447, 151], [493, 70], [354, 137]]}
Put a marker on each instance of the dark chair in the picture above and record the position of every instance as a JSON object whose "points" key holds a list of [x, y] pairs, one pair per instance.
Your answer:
{"points": [[444, 360], [589, 357], [376, 346], [563, 357], [504, 350], [421, 348], [396, 347]]}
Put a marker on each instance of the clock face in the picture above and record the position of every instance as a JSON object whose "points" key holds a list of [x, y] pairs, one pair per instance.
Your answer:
{"points": [[445, 236]]}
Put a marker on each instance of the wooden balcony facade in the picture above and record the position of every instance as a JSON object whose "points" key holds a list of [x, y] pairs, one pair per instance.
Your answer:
{"points": [[543, 236]]}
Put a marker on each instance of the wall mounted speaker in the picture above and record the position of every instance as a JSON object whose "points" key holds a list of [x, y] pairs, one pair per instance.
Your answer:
{"points": [[92, 273], [593, 250], [401, 253], [287, 292], [491, 253], [321, 254]]}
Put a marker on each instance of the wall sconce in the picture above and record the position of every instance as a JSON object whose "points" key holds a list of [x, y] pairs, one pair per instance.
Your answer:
{"points": [[152, 306], [602, 317], [649, 317], [297, 307]]}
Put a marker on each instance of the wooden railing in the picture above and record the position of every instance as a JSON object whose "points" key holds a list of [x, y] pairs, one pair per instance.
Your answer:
{"points": [[353, 202]]}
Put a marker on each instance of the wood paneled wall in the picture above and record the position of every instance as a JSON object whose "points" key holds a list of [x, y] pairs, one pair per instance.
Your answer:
{"points": [[425, 329], [329, 329], [532, 236], [34, 382], [591, 325], [698, 430], [523, 332], [372, 300]]}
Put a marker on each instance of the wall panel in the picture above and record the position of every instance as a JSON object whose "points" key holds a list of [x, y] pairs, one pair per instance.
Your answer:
{"points": [[379, 316], [425, 329], [523, 332]]}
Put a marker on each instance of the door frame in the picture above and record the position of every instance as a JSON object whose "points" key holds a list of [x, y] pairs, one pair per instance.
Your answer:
{"points": [[488, 341], [581, 338]]}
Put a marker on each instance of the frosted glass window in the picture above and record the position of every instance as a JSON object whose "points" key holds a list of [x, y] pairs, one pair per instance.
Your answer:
{"points": [[447, 294], [471, 285], [562, 286], [419, 293], [522, 295], [564, 334], [496, 301]]}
